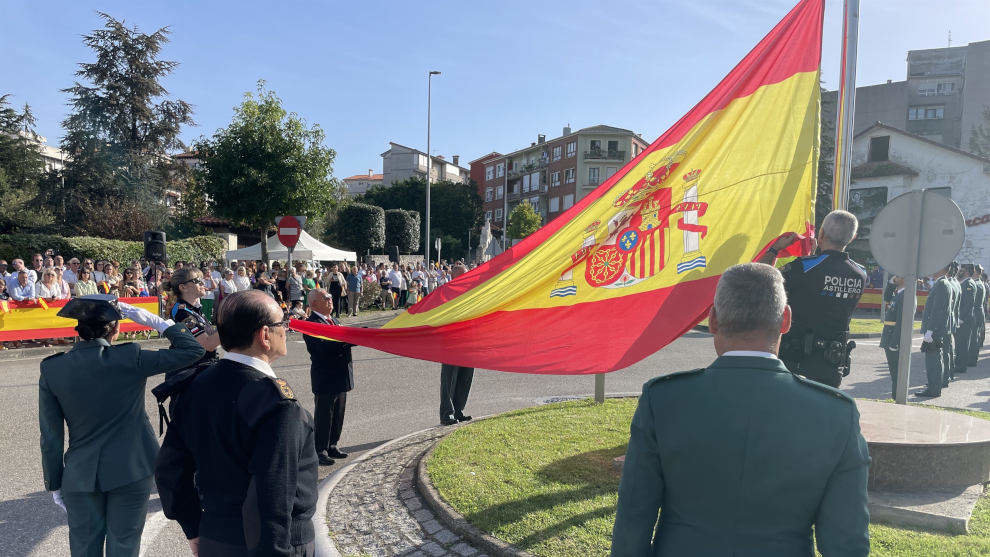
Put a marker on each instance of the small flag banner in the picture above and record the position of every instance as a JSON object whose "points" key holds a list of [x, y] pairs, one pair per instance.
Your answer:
{"points": [[634, 264], [31, 320]]}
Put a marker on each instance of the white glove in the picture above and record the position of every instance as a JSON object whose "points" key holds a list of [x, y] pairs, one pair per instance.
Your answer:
{"points": [[57, 497], [144, 317], [928, 336]]}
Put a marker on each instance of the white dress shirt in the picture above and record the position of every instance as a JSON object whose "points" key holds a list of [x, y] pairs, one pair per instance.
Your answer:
{"points": [[751, 353], [251, 361]]}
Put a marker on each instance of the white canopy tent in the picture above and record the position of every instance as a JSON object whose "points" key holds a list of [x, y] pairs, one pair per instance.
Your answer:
{"points": [[307, 249]]}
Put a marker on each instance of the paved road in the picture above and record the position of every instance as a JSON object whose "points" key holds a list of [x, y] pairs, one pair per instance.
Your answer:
{"points": [[394, 396]]}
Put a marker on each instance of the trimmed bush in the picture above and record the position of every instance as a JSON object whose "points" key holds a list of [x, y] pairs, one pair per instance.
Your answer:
{"points": [[360, 227], [402, 229], [197, 248], [370, 294]]}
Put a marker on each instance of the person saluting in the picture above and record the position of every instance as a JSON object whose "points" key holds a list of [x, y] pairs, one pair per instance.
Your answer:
{"points": [[104, 479]]}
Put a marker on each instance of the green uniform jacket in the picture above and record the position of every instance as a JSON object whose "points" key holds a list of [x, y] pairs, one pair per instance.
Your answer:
{"points": [[967, 304], [98, 389], [937, 316], [955, 292], [743, 458], [890, 337]]}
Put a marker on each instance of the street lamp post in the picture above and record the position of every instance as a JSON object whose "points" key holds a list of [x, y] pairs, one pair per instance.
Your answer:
{"points": [[429, 159]]}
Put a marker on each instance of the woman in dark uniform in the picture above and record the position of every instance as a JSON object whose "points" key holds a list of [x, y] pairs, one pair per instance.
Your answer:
{"points": [[188, 287]]}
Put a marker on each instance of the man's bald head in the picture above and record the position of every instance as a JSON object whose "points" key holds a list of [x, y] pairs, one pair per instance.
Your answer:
{"points": [[241, 314]]}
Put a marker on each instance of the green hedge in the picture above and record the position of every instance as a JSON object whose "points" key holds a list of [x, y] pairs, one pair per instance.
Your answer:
{"points": [[402, 229], [197, 248], [360, 227]]}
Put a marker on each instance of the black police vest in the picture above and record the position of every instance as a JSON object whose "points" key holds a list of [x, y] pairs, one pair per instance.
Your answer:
{"points": [[823, 291]]}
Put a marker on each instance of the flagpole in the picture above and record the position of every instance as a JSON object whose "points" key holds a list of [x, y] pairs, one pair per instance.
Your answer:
{"points": [[845, 123]]}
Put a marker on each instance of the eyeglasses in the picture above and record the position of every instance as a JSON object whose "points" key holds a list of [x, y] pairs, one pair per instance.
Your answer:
{"points": [[283, 323], [195, 281]]}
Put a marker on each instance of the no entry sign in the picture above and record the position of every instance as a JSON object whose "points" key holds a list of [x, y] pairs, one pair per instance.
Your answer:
{"points": [[289, 228]]}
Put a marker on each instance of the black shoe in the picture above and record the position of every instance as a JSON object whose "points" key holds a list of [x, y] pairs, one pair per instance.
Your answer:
{"points": [[334, 453], [325, 459], [927, 394], [450, 420], [462, 418]]}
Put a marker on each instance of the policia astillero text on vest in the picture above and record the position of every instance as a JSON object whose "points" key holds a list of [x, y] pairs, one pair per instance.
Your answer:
{"points": [[97, 388], [823, 291]]}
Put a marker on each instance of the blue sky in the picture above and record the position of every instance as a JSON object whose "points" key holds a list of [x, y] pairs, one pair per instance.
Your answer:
{"points": [[511, 69]]}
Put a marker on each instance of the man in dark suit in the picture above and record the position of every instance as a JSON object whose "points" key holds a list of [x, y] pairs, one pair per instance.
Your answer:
{"points": [[237, 469], [332, 376], [744, 457], [97, 388], [890, 337]]}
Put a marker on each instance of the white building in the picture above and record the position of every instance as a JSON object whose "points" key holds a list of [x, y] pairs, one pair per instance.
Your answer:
{"points": [[888, 162], [360, 183], [54, 157], [400, 163]]}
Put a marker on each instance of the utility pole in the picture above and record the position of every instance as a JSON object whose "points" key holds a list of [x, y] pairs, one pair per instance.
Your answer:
{"points": [[429, 159]]}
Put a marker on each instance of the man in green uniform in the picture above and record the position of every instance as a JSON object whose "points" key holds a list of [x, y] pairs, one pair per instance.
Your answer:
{"points": [[936, 324], [979, 317], [890, 337], [104, 479], [744, 457], [967, 317], [948, 351]]}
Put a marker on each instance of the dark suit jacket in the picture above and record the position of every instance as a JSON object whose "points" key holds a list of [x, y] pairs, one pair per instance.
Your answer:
{"points": [[743, 457], [332, 370], [98, 389]]}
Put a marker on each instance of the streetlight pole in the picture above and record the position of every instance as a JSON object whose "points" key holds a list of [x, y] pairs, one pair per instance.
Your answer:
{"points": [[429, 159]]}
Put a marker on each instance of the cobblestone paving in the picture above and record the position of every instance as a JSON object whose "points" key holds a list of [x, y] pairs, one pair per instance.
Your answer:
{"points": [[377, 511]]}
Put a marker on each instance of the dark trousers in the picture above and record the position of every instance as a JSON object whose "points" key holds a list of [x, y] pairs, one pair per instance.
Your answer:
{"points": [[455, 384], [213, 548], [892, 360], [948, 357], [116, 516], [329, 419], [814, 367], [936, 374], [963, 336], [335, 293], [976, 340]]}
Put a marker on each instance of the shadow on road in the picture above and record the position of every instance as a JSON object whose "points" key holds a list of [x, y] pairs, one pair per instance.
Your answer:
{"points": [[26, 521]]}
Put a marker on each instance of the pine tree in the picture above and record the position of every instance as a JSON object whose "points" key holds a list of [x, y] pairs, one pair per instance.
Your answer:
{"points": [[21, 168], [979, 136]]}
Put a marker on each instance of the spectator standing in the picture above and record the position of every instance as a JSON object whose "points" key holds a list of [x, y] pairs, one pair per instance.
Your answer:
{"points": [[71, 273], [420, 275], [337, 286], [294, 286], [65, 290], [227, 286], [309, 282], [396, 284], [85, 286], [385, 284], [37, 264], [24, 289], [354, 288], [241, 280], [98, 274], [129, 287]]}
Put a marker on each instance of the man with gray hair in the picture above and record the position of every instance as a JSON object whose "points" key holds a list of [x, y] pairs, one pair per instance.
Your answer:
{"points": [[823, 290], [743, 457]]}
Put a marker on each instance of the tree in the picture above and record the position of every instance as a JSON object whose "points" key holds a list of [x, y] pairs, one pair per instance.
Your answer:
{"points": [[979, 136], [120, 129], [360, 227], [21, 168], [455, 207], [402, 230], [523, 221], [826, 156], [266, 163]]}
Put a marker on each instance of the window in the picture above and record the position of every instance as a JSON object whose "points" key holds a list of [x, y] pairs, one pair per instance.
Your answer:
{"points": [[610, 170], [568, 201], [525, 187], [613, 146], [865, 203], [555, 178], [488, 194], [488, 215], [534, 181], [421, 159], [942, 191], [879, 148], [554, 204], [489, 172], [569, 176], [596, 145], [593, 175], [556, 153], [571, 148], [926, 113], [535, 202], [945, 88], [499, 192], [500, 169], [931, 88], [498, 214]]}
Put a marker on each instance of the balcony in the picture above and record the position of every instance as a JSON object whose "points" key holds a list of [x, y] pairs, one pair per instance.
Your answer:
{"points": [[604, 155], [514, 195], [528, 167]]}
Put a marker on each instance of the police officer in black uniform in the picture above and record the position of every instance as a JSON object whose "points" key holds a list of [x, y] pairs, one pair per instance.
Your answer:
{"points": [[823, 291], [238, 467], [188, 286]]}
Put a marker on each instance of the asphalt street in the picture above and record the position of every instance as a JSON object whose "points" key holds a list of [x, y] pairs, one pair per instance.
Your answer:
{"points": [[394, 396]]}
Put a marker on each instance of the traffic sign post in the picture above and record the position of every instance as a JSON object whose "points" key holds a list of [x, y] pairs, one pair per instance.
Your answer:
{"points": [[915, 235], [289, 230]]}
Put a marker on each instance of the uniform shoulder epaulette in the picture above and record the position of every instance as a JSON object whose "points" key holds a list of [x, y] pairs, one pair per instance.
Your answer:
{"points": [[668, 376], [259, 397], [822, 387]]}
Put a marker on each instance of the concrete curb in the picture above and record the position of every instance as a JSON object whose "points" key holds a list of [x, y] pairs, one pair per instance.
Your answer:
{"points": [[455, 521]]}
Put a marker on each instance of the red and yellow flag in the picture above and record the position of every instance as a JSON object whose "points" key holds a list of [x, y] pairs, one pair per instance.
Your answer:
{"points": [[32, 319], [634, 264]]}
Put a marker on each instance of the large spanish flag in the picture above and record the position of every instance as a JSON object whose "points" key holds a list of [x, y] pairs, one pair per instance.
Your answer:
{"points": [[634, 264]]}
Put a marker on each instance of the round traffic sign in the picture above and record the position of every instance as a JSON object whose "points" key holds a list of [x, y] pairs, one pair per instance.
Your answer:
{"points": [[917, 233], [288, 231]]}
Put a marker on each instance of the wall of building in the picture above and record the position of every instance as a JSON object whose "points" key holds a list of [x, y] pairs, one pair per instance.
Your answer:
{"points": [[977, 92], [968, 178]]}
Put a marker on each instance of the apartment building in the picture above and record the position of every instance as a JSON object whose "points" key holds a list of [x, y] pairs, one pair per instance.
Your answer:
{"points": [[552, 174], [401, 163], [360, 183]]}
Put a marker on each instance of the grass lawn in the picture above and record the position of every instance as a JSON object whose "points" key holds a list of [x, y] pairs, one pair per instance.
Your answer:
{"points": [[541, 479]]}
